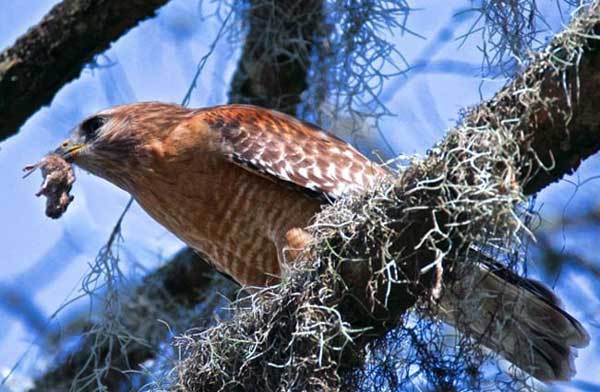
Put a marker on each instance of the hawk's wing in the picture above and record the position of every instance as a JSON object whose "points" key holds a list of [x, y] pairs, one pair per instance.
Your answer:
{"points": [[280, 147]]}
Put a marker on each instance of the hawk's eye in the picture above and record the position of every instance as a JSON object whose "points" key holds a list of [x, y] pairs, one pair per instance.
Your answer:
{"points": [[89, 128]]}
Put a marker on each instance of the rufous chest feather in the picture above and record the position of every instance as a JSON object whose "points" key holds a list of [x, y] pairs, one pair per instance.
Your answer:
{"points": [[235, 217]]}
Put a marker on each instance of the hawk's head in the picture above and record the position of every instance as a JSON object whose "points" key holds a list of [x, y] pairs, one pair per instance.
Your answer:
{"points": [[115, 142]]}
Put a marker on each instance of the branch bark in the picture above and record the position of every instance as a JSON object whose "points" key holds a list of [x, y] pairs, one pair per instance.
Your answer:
{"points": [[53, 52], [533, 132]]}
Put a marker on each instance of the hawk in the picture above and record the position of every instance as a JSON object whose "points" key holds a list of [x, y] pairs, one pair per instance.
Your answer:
{"points": [[239, 183]]}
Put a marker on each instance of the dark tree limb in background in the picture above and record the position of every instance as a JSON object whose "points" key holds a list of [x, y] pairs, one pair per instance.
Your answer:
{"points": [[53, 52], [179, 285], [187, 279], [532, 133], [273, 67]]}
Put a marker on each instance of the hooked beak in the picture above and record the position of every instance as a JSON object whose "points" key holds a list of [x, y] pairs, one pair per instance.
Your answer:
{"points": [[68, 150]]}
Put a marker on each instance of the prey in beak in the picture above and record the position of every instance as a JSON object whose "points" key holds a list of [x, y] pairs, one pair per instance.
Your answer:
{"points": [[57, 169], [66, 151], [58, 178]]}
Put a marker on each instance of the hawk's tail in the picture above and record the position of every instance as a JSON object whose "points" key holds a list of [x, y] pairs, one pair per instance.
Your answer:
{"points": [[519, 318]]}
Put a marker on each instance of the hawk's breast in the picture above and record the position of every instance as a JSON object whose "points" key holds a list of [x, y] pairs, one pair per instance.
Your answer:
{"points": [[237, 219]]}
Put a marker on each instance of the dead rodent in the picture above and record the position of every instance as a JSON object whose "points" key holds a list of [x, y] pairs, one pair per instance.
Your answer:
{"points": [[58, 177]]}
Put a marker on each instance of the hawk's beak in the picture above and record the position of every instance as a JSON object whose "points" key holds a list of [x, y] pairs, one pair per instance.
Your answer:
{"points": [[68, 150]]}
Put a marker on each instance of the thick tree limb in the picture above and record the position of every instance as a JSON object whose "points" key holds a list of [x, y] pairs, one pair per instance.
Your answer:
{"points": [[565, 127], [53, 52], [376, 255]]}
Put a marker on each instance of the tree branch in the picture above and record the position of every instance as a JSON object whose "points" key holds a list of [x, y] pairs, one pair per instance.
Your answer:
{"points": [[53, 52]]}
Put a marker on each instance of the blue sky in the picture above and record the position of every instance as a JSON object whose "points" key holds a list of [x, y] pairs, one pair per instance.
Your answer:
{"points": [[43, 261]]}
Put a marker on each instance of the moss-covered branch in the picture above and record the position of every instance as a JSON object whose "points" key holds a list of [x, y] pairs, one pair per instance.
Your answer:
{"points": [[377, 254]]}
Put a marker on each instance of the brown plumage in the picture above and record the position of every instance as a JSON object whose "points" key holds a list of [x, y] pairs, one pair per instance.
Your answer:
{"points": [[230, 181], [238, 183]]}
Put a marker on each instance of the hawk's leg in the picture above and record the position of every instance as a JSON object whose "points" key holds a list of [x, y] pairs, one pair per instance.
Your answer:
{"points": [[296, 240]]}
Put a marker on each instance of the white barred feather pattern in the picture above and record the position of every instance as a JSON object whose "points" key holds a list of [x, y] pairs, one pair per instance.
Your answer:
{"points": [[281, 147]]}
